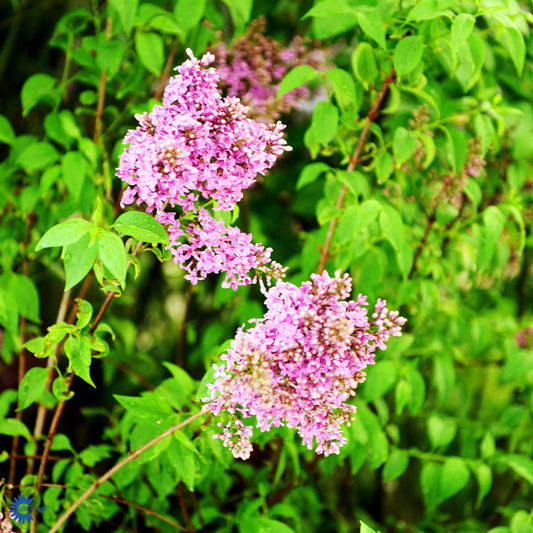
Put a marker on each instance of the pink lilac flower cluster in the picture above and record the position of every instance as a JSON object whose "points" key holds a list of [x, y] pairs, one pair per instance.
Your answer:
{"points": [[253, 67], [199, 150], [300, 363], [5, 524]]}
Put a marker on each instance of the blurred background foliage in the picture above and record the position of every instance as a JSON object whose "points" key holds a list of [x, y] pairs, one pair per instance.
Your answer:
{"points": [[435, 217]]}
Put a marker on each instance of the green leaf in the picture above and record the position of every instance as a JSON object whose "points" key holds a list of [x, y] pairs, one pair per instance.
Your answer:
{"points": [[126, 10], [184, 461], [74, 169], [240, 11], [61, 390], [364, 63], [427, 10], [462, 27], [392, 226], [483, 475], [113, 255], [440, 482], [473, 191], [7, 134], [396, 465], [37, 155], [380, 378], [65, 233], [146, 407], [355, 218], [13, 427], [189, 14], [79, 258], [27, 296], [384, 166], [151, 51], [84, 313], [408, 54], [78, 351], [32, 386], [366, 529], [520, 464], [325, 122], [372, 24], [329, 8], [513, 41], [158, 19], [38, 88], [141, 226], [343, 86], [441, 430], [403, 145], [296, 77], [310, 174], [35, 345], [109, 55]]}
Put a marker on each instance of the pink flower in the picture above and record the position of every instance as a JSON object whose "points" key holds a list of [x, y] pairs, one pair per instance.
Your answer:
{"points": [[300, 363]]}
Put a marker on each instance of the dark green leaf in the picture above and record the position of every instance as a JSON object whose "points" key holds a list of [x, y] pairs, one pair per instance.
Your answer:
{"points": [[396, 465]]}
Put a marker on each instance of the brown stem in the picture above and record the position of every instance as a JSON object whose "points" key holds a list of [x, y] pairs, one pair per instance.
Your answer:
{"points": [[51, 435], [183, 507], [197, 509], [166, 71], [352, 164], [144, 510], [99, 316], [130, 457], [81, 296]]}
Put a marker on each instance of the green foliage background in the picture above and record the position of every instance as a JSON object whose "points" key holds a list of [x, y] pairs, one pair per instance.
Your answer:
{"points": [[442, 440]]}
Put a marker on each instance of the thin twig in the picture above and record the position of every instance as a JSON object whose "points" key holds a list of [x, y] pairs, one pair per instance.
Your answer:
{"points": [[183, 507], [352, 164], [145, 510], [101, 91], [166, 70], [110, 473]]}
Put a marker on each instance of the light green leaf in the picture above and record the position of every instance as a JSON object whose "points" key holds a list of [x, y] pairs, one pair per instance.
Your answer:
{"points": [[38, 88], [79, 258], [384, 166], [403, 145], [520, 464], [126, 10], [380, 378], [392, 226], [325, 122], [37, 155], [372, 24], [84, 313], [7, 134], [364, 63], [473, 191], [328, 8], [13, 427], [113, 255], [462, 27], [310, 173], [296, 77], [65, 233], [78, 351], [396, 465], [483, 475], [366, 529], [151, 51], [513, 41], [343, 86], [240, 11], [27, 296], [141, 226], [441, 430], [32, 386], [109, 56], [355, 218], [74, 169], [188, 14], [146, 407], [455, 476], [408, 54]]}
